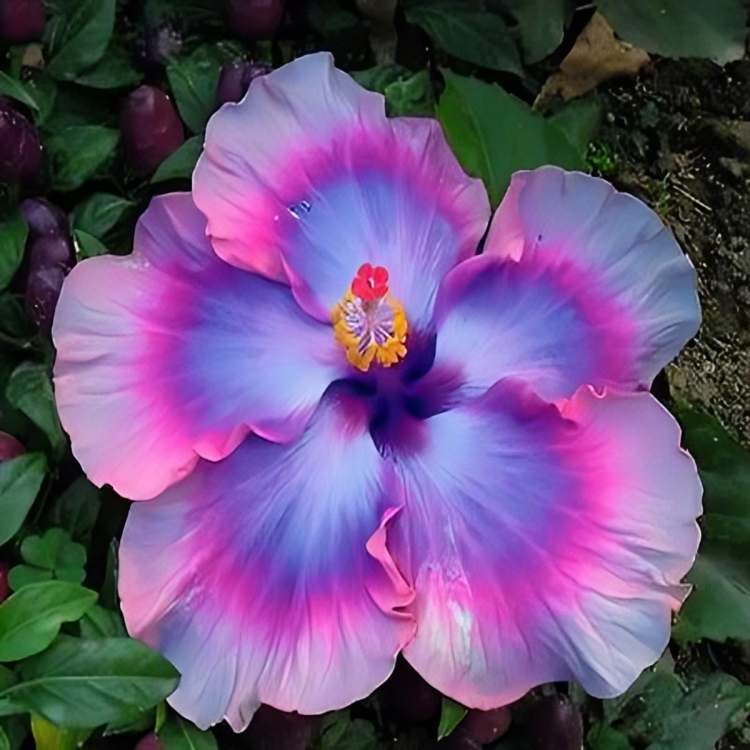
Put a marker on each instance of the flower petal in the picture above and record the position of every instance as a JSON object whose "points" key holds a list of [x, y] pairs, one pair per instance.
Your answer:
{"points": [[266, 578], [601, 294], [171, 354], [307, 178], [542, 546]]}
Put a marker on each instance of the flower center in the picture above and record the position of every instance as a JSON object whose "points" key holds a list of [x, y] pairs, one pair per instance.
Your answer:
{"points": [[368, 323]]}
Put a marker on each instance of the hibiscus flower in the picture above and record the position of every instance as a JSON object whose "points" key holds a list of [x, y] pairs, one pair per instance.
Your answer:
{"points": [[357, 438]]}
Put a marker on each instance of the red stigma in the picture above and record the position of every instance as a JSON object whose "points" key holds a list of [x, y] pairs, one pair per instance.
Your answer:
{"points": [[370, 283]]}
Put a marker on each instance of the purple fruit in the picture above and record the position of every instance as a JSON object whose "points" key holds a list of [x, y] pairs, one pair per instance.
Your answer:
{"points": [[21, 20], [552, 723], [486, 726], [410, 696], [150, 128], [459, 740], [9, 447], [44, 217], [50, 259], [272, 729], [20, 150], [256, 19], [236, 77], [150, 741]]}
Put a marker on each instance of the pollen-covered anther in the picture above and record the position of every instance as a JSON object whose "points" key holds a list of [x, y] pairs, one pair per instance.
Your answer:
{"points": [[368, 322]]}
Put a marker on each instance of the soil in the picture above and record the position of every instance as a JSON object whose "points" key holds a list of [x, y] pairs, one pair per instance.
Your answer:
{"points": [[680, 139]]}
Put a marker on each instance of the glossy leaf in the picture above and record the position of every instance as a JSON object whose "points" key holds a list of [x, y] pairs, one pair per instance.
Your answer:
{"points": [[31, 618], [20, 480], [178, 734], [181, 163], [113, 71], [719, 605], [77, 509], [541, 24], [42, 89], [85, 683], [47, 736], [604, 737], [100, 212], [681, 28], [450, 717], [493, 134], [99, 622], [77, 152], [29, 389], [193, 81], [660, 711], [467, 33], [26, 575], [341, 732], [579, 119], [410, 96], [88, 246], [15, 90], [83, 35], [12, 242]]}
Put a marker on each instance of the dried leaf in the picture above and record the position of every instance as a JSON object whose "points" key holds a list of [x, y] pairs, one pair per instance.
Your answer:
{"points": [[597, 56]]}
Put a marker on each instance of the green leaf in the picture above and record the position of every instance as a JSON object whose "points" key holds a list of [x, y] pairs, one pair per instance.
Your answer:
{"points": [[85, 683], [12, 242], [86, 30], [341, 732], [193, 81], [102, 623], [77, 509], [542, 24], [77, 152], [20, 480], [329, 17], [53, 550], [719, 605], [451, 715], [51, 555], [49, 737], [181, 163], [493, 134], [380, 76], [681, 28], [100, 212], [469, 34], [13, 320], [29, 390], [579, 119], [196, 13], [410, 96], [88, 246], [25, 575], [4, 741], [15, 90], [701, 717], [42, 89], [178, 734], [113, 71], [76, 106], [16, 731], [604, 737], [31, 618], [43, 551], [660, 711]]}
